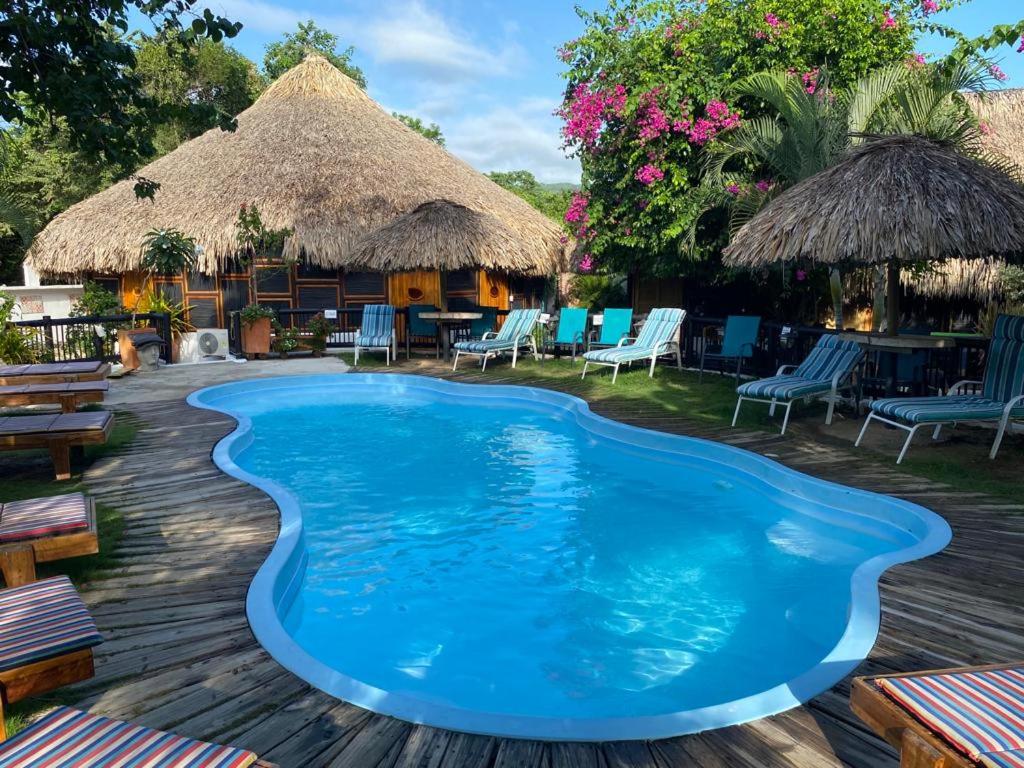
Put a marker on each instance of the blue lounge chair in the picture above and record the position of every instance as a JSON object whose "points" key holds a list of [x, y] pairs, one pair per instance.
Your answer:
{"points": [[738, 343], [659, 336], [827, 370], [516, 333], [616, 325], [423, 329], [1001, 399], [377, 331], [572, 329]]}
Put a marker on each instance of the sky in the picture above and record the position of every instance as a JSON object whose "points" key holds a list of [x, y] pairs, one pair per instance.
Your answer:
{"points": [[486, 70]]}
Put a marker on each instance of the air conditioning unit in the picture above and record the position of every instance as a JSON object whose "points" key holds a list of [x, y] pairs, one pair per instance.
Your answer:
{"points": [[204, 344]]}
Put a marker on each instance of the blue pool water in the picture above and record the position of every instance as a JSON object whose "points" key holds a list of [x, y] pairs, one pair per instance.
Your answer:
{"points": [[499, 560]]}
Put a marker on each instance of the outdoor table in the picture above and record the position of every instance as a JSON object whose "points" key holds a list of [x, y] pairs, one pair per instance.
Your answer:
{"points": [[895, 346], [445, 320]]}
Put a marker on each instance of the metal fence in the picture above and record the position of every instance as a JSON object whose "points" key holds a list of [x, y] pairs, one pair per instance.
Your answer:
{"points": [[68, 339]]}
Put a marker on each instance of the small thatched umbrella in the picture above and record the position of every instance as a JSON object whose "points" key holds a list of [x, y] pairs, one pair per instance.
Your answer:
{"points": [[891, 200], [447, 236]]}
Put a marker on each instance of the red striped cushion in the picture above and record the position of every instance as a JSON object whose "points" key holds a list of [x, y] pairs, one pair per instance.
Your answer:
{"points": [[1013, 759], [68, 738], [979, 713], [41, 620], [32, 518]]}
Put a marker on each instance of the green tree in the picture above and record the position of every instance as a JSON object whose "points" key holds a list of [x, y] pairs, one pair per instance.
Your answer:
{"points": [[551, 202], [72, 66], [432, 131], [309, 38]]}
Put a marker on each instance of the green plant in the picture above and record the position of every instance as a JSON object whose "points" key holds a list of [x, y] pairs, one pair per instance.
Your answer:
{"points": [[157, 302], [320, 328], [597, 291], [15, 343], [285, 339], [256, 240], [253, 313], [168, 252], [1011, 284]]}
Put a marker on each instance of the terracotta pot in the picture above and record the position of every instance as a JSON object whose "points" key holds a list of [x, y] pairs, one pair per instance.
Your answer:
{"points": [[256, 337], [129, 357]]}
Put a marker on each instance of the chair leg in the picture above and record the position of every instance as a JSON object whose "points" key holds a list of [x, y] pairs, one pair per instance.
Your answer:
{"points": [[585, 364], [456, 363], [1003, 424], [654, 359], [736, 413], [483, 363], [863, 429], [906, 445], [515, 355], [60, 452], [18, 565], [615, 372], [679, 359], [785, 419], [739, 369], [771, 408], [355, 360], [831, 409], [935, 434]]}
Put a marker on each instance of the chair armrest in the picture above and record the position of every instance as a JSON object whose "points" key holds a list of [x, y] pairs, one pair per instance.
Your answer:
{"points": [[748, 344], [592, 336], [962, 384], [783, 369], [1014, 403], [488, 335], [624, 339]]}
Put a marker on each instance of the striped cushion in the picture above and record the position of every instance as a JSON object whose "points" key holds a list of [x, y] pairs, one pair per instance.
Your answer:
{"points": [[831, 355], [930, 410], [979, 713], [519, 323], [29, 519], [784, 387], [1004, 370], [68, 738], [618, 354], [41, 620], [1013, 758], [373, 341], [484, 346], [660, 327], [378, 321]]}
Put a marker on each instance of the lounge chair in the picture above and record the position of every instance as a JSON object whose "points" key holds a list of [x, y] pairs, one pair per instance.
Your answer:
{"points": [[57, 433], [69, 737], [515, 333], [46, 640], [42, 530], [572, 329], [616, 325], [954, 718], [826, 371], [1001, 399], [68, 395], [659, 336], [377, 332], [48, 373], [738, 343]]}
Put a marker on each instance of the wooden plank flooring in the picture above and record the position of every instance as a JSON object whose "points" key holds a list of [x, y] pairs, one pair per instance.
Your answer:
{"points": [[179, 653]]}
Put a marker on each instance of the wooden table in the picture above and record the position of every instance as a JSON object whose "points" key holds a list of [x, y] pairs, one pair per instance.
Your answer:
{"points": [[444, 322], [895, 346]]}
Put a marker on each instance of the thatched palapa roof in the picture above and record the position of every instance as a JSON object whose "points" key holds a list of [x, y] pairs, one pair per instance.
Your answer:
{"points": [[897, 198], [316, 154], [461, 236]]}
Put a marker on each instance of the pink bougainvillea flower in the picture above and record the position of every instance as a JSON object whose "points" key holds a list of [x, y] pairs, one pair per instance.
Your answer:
{"points": [[1020, 48], [586, 263], [888, 22], [763, 185], [586, 111], [733, 189], [997, 73], [801, 275], [914, 61], [984, 127], [577, 211], [649, 174], [929, 6], [772, 20]]}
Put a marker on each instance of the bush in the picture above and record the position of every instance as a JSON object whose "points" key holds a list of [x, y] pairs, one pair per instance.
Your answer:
{"points": [[15, 343], [598, 291]]}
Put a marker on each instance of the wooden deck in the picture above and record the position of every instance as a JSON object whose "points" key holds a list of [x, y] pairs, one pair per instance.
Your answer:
{"points": [[179, 653]]}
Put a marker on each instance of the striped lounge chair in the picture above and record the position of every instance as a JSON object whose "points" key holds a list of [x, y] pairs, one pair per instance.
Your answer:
{"points": [[46, 639], [43, 530], [826, 371], [69, 738], [377, 332], [1001, 399], [659, 336], [515, 333], [957, 718]]}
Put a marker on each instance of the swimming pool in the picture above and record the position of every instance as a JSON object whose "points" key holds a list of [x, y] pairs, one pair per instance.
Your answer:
{"points": [[500, 560]]}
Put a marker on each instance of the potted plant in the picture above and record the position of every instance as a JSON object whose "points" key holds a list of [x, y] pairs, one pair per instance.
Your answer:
{"points": [[157, 302], [320, 328], [256, 329], [285, 339]]}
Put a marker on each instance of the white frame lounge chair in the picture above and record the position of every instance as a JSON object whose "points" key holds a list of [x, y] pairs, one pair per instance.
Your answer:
{"points": [[826, 371], [1001, 399], [659, 336], [515, 333], [376, 332]]}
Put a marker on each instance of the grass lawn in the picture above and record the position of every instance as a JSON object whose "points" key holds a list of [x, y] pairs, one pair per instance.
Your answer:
{"points": [[27, 475]]}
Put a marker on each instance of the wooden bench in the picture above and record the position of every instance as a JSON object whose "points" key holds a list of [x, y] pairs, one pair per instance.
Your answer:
{"points": [[43, 530], [919, 742], [68, 395], [56, 433], [49, 373]]}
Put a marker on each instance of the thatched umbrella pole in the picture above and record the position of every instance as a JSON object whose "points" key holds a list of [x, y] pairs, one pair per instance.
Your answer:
{"points": [[892, 200]]}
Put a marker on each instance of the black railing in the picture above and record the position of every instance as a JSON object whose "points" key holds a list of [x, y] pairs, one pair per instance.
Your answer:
{"points": [[67, 339]]}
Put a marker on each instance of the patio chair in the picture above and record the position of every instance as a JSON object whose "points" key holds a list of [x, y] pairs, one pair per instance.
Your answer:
{"points": [[43, 530], [376, 332], [826, 371], [48, 373], [57, 433], [954, 718], [46, 640], [515, 333], [68, 395], [424, 329], [69, 737], [659, 336], [1001, 399], [738, 343], [616, 325], [572, 329]]}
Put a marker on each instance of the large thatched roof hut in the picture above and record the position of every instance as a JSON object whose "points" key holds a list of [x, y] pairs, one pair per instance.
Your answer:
{"points": [[316, 154]]}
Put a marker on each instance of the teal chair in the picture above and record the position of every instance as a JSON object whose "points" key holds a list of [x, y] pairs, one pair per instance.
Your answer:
{"points": [[516, 333], [485, 324], [423, 329], [1001, 399], [738, 343], [617, 325], [377, 332], [572, 329], [659, 336]]}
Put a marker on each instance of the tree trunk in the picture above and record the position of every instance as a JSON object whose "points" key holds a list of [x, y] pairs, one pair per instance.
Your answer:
{"points": [[835, 280], [878, 300]]}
